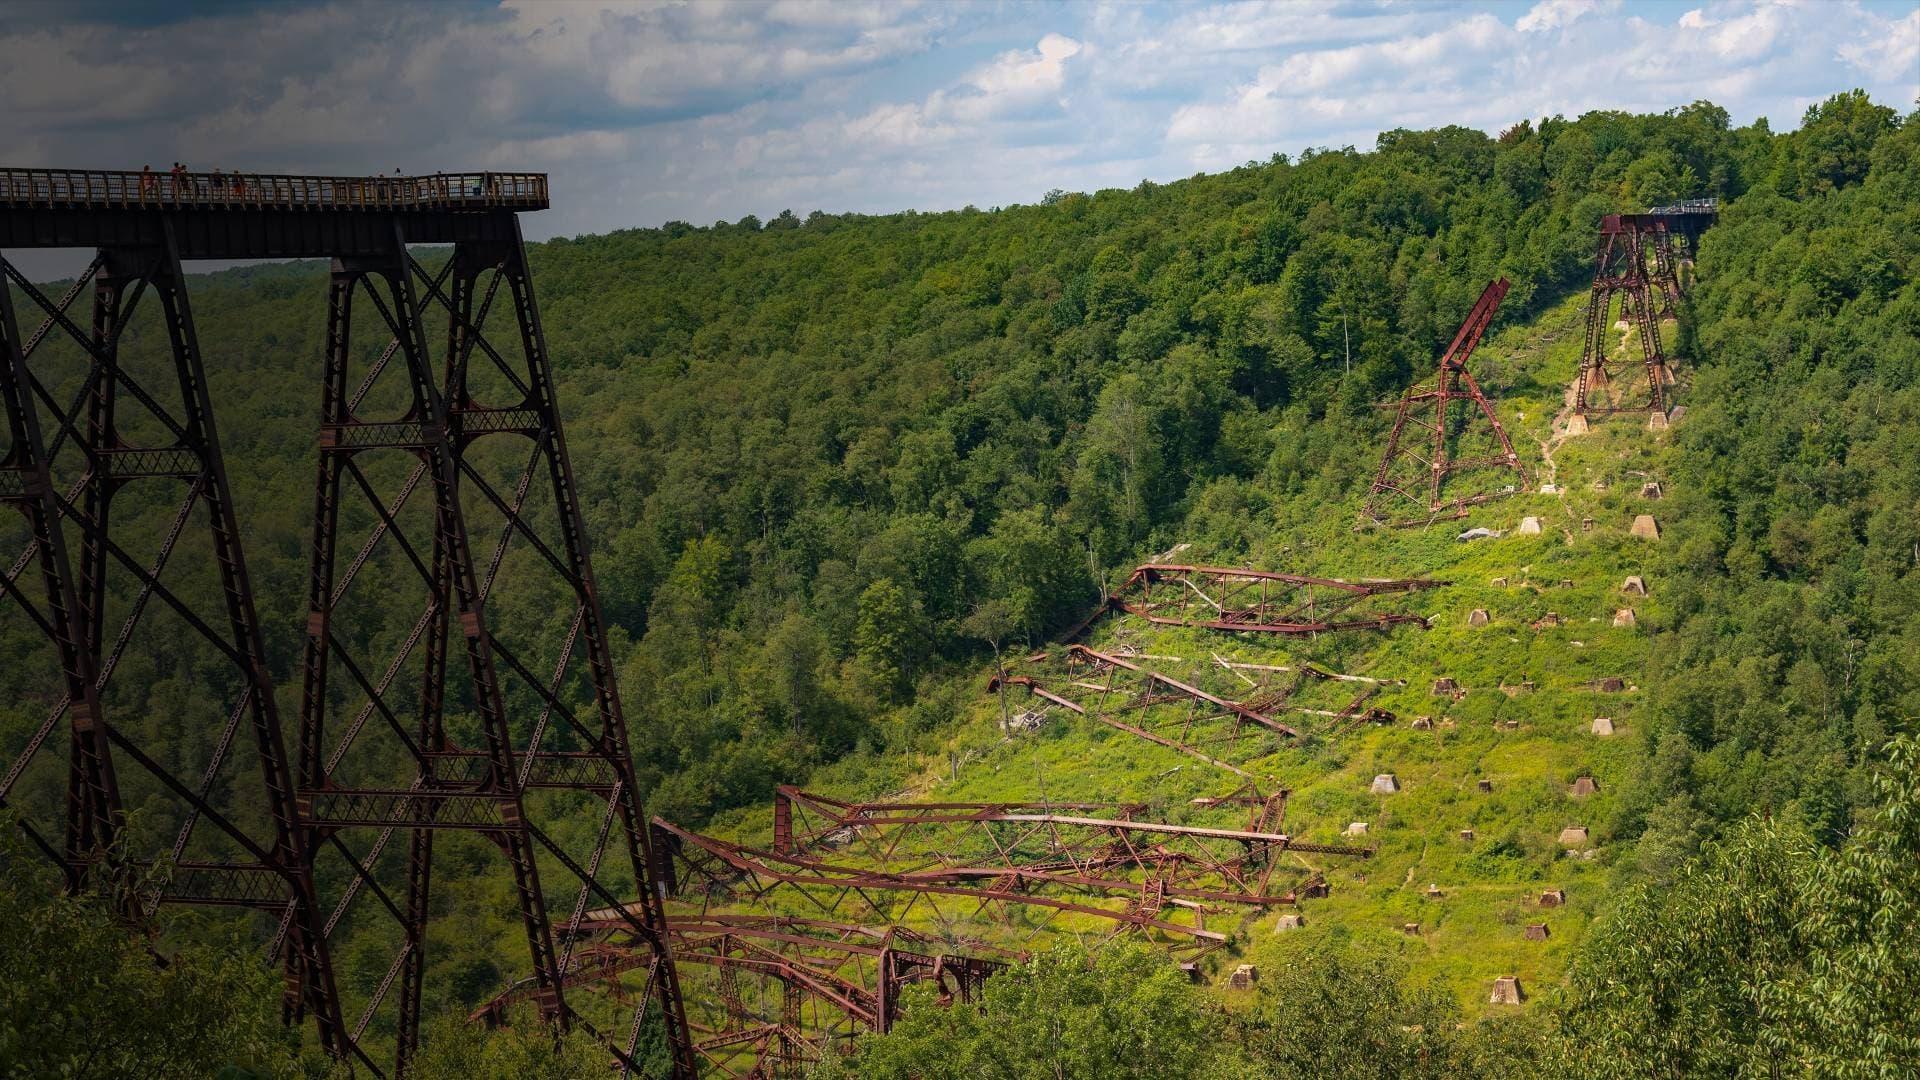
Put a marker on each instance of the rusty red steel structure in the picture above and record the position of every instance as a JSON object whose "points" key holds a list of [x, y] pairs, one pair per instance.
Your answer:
{"points": [[414, 448], [1279, 687], [1636, 260], [994, 855], [1181, 716], [707, 870], [1258, 601], [781, 992], [87, 433], [1430, 444], [1266, 812], [1181, 862]]}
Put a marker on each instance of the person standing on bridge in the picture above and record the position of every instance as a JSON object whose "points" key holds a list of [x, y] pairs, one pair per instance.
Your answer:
{"points": [[219, 189], [179, 177], [149, 183]]}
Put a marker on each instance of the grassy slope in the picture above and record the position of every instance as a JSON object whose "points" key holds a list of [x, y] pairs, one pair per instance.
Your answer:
{"points": [[1473, 933]]}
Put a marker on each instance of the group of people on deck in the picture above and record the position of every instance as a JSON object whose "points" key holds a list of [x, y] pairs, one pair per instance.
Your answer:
{"points": [[217, 185]]}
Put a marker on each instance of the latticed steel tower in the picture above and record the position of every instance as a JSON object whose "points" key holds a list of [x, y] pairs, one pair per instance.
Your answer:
{"points": [[115, 464], [430, 701], [1440, 459], [1636, 261]]}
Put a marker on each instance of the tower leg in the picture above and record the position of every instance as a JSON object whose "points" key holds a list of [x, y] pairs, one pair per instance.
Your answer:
{"points": [[93, 815], [218, 855], [612, 744]]}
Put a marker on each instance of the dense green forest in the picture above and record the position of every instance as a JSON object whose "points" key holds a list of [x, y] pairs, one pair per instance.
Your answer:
{"points": [[832, 464]]}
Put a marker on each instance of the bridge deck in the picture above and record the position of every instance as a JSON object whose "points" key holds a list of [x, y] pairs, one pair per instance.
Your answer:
{"points": [[257, 215], [1691, 217]]}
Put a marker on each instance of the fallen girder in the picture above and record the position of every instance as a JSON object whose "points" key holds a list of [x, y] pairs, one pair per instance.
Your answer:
{"points": [[1330, 719], [1170, 862], [705, 869], [1223, 598], [1177, 714], [1267, 812], [1152, 686], [779, 992]]}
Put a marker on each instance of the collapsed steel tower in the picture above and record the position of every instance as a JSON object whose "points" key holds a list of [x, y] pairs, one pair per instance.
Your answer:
{"points": [[418, 477], [1411, 485], [782, 992], [1256, 601], [952, 862], [1150, 704]]}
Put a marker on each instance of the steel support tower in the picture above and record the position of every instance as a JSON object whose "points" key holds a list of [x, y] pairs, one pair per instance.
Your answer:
{"points": [[1411, 485], [439, 477], [91, 430], [1636, 260]]}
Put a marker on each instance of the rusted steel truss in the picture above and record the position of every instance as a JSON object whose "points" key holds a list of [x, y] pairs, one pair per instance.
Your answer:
{"points": [[105, 452], [1294, 690], [1432, 443], [1266, 812], [1138, 876], [1175, 861], [1636, 260], [1610, 383], [709, 871], [768, 995], [1124, 694], [440, 474], [1220, 598], [461, 476]]}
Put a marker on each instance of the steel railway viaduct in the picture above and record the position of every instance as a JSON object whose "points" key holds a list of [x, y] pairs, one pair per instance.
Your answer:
{"points": [[441, 461]]}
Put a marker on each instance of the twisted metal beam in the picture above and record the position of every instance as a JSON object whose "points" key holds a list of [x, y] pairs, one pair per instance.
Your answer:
{"points": [[1259, 601]]}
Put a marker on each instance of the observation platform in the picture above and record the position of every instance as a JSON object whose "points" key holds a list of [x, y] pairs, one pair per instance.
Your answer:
{"points": [[1689, 218], [258, 215]]}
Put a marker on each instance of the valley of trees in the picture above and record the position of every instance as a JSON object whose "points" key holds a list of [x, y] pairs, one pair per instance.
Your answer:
{"points": [[831, 465]]}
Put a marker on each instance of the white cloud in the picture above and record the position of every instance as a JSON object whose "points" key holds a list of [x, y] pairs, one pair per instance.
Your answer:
{"points": [[1323, 90], [1889, 53], [700, 110], [1754, 58], [1747, 37], [1560, 14], [891, 126], [1014, 80], [1021, 72]]}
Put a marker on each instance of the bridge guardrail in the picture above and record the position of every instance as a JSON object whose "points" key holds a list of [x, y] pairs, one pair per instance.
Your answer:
{"points": [[63, 189]]}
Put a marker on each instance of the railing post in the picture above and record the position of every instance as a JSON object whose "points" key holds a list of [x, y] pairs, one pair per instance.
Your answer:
{"points": [[126, 189]]}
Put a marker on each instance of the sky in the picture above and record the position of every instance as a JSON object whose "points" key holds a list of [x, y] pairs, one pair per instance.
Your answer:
{"points": [[648, 112]]}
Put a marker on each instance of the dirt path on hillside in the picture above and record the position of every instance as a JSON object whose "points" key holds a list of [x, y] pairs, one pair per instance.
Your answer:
{"points": [[1557, 430]]}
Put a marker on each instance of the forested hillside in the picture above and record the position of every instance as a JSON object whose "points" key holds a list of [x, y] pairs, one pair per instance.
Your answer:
{"points": [[816, 446], [833, 464]]}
